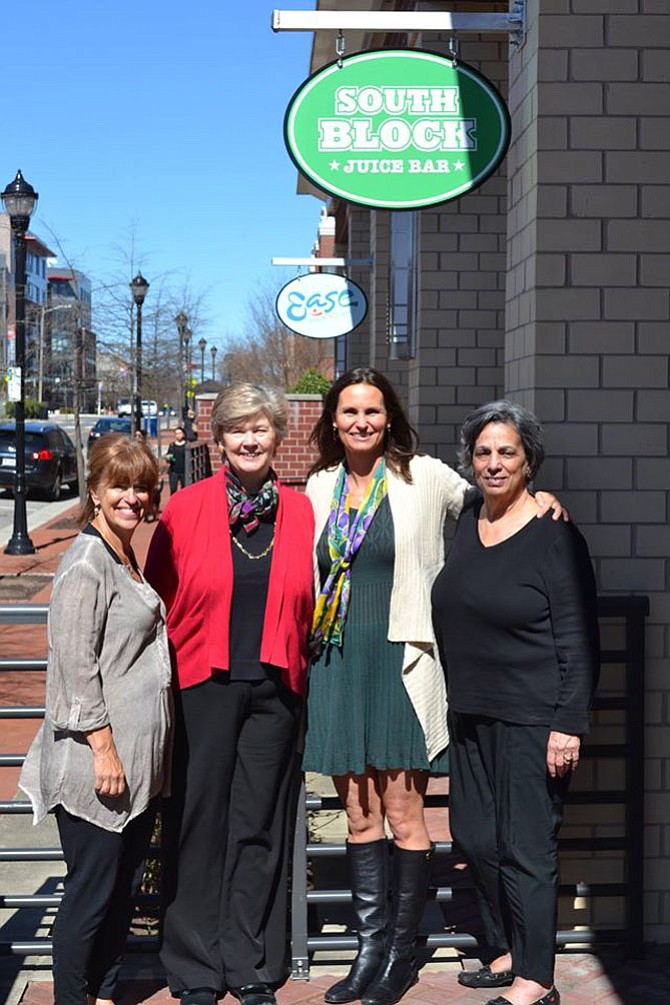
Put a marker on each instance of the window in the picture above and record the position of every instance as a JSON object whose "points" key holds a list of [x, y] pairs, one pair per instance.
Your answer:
{"points": [[341, 358], [61, 344], [403, 285]]}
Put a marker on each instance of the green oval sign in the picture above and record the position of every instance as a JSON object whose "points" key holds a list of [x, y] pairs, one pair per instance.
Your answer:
{"points": [[397, 128]]}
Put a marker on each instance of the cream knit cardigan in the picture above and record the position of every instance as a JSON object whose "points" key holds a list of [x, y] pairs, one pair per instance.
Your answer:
{"points": [[419, 511]]}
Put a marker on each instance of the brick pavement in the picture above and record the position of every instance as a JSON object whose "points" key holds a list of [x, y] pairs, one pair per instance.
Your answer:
{"points": [[583, 978]]}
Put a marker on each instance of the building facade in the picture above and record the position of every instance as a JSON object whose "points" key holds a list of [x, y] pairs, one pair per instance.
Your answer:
{"points": [[550, 285], [37, 255], [70, 344]]}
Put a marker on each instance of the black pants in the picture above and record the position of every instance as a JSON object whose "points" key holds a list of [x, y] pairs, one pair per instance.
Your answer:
{"points": [[228, 835], [104, 871], [176, 479], [505, 812]]}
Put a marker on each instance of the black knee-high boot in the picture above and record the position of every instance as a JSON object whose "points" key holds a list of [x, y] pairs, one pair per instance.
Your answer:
{"points": [[369, 889], [411, 872]]}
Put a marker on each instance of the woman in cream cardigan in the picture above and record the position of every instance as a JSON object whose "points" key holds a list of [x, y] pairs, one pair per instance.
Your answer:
{"points": [[377, 709]]}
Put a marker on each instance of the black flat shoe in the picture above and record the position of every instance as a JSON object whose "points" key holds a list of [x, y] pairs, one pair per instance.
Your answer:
{"points": [[551, 998], [255, 994], [485, 978], [198, 996]]}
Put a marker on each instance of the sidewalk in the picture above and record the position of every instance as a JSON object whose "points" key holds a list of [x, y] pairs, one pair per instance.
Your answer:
{"points": [[582, 978]]}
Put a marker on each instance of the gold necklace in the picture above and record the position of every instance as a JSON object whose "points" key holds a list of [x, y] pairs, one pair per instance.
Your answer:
{"points": [[254, 558]]}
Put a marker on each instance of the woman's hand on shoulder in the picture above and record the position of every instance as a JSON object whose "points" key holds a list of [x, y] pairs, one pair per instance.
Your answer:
{"points": [[562, 753], [110, 778], [547, 502]]}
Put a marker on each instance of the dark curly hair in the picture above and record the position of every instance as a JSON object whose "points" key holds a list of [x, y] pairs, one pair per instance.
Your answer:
{"points": [[511, 414], [401, 439]]}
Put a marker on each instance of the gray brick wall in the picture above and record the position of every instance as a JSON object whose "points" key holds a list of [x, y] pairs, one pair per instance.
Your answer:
{"points": [[595, 220]]}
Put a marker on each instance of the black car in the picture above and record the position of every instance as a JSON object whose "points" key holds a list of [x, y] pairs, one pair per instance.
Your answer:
{"points": [[109, 424], [51, 461]]}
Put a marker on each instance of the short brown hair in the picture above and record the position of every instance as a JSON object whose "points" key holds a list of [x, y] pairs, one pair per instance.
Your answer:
{"points": [[116, 459]]}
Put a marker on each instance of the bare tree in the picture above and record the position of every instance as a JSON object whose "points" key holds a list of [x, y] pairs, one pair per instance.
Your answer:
{"points": [[77, 322], [113, 322], [270, 353], [163, 369]]}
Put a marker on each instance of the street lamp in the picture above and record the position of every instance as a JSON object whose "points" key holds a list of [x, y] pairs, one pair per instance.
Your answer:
{"points": [[181, 322], [213, 351], [187, 366], [138, 288], [19, 199], [201, 346]]}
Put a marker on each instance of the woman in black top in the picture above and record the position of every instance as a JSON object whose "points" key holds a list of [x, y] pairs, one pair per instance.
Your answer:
{"points": [[176, 458], [515, 618]]}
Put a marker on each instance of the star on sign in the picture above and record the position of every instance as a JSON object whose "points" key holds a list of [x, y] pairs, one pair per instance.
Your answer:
{"points": [[458, 165], [334, 165]]}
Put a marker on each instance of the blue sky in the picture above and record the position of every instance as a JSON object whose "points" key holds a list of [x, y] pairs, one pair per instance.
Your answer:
{"points": [[160, 124]]}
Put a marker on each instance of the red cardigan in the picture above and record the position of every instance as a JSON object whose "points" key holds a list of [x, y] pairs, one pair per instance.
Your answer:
{"points": [[191, 566]]}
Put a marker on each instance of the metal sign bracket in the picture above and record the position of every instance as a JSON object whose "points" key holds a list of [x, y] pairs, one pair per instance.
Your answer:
{"points": [[405, 21], [325, 263]]}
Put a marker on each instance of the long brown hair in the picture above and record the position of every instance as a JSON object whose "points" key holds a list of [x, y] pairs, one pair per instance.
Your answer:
{"points": [[116, 459], [401, 442]]}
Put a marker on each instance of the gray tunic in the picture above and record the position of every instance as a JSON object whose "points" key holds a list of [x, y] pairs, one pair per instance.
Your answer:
{"points": [[108, 664]]}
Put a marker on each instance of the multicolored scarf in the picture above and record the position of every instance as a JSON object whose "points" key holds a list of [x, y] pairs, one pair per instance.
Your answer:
{"points": [[344, 539], [250, 509]]}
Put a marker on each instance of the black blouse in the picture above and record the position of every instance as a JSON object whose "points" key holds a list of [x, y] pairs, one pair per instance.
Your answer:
{"points": [[516, 624], [250, 591]]}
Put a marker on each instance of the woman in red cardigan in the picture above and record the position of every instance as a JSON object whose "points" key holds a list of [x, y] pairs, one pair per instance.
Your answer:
{"points": [[232, 559]]}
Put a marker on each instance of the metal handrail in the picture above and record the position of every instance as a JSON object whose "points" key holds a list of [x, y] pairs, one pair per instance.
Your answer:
{"points": [[197, 463], [23, 614]]}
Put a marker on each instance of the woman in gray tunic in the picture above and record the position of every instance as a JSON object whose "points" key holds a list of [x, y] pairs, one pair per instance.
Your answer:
{"points": [[100, 758]]}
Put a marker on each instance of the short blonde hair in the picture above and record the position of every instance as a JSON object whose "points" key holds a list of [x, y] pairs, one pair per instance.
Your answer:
{"points": [[116, 459], [241, 401]]}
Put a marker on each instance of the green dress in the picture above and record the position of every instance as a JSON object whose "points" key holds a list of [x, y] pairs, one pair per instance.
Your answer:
{"points": [[358, 711]]}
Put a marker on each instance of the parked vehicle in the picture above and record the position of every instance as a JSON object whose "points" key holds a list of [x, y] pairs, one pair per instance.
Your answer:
{"points": [[109, 424], [125, 406], [51, 459]]}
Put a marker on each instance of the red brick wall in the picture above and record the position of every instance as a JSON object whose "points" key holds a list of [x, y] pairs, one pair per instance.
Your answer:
{"points": [[295, 456], [204, 417], [326, 247]]}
